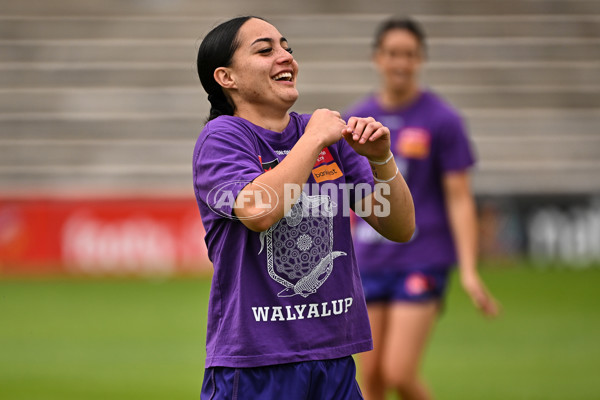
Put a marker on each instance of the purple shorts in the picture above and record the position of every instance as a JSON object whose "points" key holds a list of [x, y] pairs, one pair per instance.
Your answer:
{"points": [[324, 380], [410, 286]]}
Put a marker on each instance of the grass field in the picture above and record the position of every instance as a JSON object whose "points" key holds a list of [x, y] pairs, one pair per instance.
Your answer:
{"points": [[144, 339]]}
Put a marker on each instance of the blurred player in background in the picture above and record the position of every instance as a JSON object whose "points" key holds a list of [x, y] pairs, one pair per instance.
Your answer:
{"points": [[404, 284], [286, 308]]}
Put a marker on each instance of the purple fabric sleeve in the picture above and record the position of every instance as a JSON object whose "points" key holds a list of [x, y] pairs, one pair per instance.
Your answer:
{"points": [[224, 160], [455, 152]]}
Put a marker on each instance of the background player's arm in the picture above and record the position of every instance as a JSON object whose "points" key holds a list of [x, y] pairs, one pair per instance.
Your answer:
{"points": [[463, 222]]}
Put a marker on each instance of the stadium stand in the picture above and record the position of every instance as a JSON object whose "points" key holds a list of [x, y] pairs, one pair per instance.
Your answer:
{"points": [[102, 97]]}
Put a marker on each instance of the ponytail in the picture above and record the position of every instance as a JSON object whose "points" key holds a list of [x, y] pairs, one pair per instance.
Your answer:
{"points": [[219, 105], [216, 51]]}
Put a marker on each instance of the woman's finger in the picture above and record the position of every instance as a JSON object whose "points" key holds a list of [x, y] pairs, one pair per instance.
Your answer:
{"points": [[369, 130], [383, 131]]}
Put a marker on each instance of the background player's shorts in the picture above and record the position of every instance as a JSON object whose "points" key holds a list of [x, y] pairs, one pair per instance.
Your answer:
{"points": [[410, 286], [324, 380]]}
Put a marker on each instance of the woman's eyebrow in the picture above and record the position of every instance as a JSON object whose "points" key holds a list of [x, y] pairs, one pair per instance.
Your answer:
{"points": [[269, 40]]}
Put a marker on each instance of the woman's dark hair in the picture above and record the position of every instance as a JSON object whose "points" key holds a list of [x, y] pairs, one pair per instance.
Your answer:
{"points": [[404, 23], [216, 51]]}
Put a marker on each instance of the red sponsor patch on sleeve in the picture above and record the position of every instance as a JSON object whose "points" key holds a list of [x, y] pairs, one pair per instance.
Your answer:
{"points": [[324, 157]]}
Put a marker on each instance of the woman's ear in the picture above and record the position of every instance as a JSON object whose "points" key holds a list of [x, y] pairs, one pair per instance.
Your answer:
{"points": [[224, 78]]}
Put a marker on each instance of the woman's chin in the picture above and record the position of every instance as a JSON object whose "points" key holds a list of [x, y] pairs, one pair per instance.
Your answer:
{"points": [[291, 97]]}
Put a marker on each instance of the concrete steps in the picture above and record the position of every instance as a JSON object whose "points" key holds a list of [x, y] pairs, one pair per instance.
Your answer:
{"points": [[69, 75], [104, 96], [305, 50], [124, 152], [226, 8], [123, 126], [71, 126], [318, 26], [189, 100]]}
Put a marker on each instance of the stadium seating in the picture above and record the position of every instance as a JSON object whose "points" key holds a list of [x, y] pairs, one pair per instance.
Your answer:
{"points": [[102, 97]]}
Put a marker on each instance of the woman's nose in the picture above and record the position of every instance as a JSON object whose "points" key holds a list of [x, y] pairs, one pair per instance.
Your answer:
{"points": [[285, 57]]}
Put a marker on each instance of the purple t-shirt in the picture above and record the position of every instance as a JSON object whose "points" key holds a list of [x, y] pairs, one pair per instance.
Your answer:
{"points": [[428, 139], [291, 293]]}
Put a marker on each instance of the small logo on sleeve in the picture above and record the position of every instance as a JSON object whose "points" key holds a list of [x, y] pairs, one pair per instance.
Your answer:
{"points": [[414, 143], [324, 157], [327, 172], [269, 165]]}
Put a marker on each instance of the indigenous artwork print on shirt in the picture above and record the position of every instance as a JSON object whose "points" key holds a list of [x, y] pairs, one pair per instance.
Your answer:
{"points": [[299, 247]]}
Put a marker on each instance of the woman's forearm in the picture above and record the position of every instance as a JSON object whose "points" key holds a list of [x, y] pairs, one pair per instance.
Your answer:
{"points": [[269, 197]]}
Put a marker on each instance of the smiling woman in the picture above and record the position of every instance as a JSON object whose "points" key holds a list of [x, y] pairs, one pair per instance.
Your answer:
{"points": [[254, 70], [283, 259]]}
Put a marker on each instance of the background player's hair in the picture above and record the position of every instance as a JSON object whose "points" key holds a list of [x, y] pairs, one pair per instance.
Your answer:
{"points": [[216, 51], [404, 23]]}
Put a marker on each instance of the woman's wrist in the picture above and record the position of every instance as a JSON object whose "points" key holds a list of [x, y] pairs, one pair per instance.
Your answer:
{"points": [[384, 171], [313, 143], [468, 273], [388, 179], [383, 161]]}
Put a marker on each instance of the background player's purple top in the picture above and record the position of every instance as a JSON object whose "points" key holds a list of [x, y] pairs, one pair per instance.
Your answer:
{"points": [[428, 139], [293, 292]]}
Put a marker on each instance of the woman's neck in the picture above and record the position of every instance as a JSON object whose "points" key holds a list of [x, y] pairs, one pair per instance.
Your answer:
{"points": [[390, 98], [273, 121]]}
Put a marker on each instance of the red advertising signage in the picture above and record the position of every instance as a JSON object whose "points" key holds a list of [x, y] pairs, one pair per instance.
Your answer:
{"points": [[102, 237]]}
